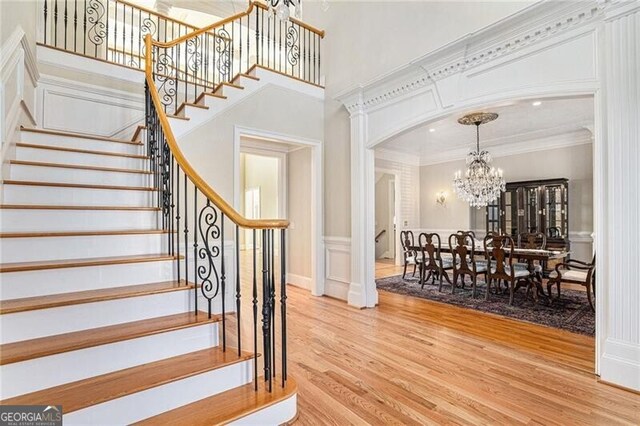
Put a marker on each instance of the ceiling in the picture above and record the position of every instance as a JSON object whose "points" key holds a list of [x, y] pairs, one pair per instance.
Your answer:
{"points": [[521, 126]]}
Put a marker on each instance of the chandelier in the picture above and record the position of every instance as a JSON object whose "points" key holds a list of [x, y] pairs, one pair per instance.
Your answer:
{"points": [[281, 8], [481, 184]]}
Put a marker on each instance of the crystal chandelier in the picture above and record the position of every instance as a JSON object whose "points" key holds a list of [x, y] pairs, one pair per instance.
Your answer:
{"points": [[481, 184], [281, 8]]}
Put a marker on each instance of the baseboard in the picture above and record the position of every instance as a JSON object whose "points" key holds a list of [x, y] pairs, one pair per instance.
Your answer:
{"points": [[620, 364], [299, 281]]}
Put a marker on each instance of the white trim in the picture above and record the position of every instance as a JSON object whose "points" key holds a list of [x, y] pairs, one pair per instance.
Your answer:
{"points": [[397, 157], [299, 281], [317, 208]]}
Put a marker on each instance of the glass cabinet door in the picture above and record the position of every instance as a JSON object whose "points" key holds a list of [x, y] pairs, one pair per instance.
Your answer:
{"points": [[493, 216], [531, 210], [511, 212], [556, 211]]}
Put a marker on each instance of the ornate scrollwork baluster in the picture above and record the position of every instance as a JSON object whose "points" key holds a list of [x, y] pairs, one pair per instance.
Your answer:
{"points": [[207, 271], [223, 48], [98, 30], [293, 49]]}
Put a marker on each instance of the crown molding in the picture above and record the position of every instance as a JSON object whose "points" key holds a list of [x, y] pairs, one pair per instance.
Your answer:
{"points": [[528, 27], [530, 145]]}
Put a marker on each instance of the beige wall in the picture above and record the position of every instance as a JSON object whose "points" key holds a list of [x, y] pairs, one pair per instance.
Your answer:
{"points": [[383, 212], [299, 212], [257, 171], [25, 13], [365, 39], [210, 147]]}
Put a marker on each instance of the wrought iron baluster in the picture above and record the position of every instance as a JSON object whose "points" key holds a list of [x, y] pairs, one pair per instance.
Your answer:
{"points": [[269, 18], [45, 21], [186, 233], [238, 288], [257, 38], [75, 25], [272, 301], [254, 301], [224, 287], [266, 312], [55, 23], [177, 243], [195, 248], [84, 49], [248, 41], [283, 307]]}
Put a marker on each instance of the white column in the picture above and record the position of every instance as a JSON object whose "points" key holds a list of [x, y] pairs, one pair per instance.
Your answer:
{"points": [[619, 302], [362, 289]]}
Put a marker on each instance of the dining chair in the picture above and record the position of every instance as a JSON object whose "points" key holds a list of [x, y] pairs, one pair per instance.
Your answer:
{"points": [[575, 272], [532, 241], [499, 253], [433, 262], [410, 256], [462, 246]]}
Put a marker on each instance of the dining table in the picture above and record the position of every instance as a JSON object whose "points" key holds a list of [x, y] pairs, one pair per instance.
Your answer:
{"points": [[530, 256]]}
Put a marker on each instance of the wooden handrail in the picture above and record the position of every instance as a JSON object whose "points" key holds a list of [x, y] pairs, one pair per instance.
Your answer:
{"points": [[229, 19], [184, 164]]}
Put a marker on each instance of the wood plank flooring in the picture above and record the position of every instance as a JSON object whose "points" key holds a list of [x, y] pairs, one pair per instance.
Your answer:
{"points": [[412, 361]]}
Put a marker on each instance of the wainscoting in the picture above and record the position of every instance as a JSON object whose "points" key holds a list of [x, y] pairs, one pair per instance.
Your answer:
{"points": [[337, 266]]}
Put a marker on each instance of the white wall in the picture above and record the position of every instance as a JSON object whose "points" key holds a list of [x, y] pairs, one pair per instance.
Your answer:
{"points": [[384, 196], [257, 171], [299, 192]]}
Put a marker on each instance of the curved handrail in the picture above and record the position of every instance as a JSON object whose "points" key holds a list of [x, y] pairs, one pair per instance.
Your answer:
{"points": [[182, 161], [220, 23]]}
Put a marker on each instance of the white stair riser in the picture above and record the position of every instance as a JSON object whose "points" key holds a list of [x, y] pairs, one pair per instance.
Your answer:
{"points": [[79, 143], [65, 319], [65, 157], [79, 247], [151, 402], [17, 285], [61, 196], [33, 220], [65, 175], [214, 103], [279, 413], [71, 366]]}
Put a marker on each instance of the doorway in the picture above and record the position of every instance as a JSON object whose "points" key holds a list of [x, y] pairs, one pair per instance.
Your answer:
{"points": [[385, 218]]}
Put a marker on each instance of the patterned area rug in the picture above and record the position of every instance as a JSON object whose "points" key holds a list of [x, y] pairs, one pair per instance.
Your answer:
{"points": [[571, 312]]}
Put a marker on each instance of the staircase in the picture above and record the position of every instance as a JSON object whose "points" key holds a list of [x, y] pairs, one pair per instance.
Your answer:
{"points": [[121, 283], [92, 317]]}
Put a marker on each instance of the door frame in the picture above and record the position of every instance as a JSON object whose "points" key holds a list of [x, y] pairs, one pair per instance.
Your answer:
{"points": [[318, 272]]}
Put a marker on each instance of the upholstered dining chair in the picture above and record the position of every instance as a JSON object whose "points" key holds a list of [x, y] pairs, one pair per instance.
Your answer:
{"points": [[411, 257], [433, 263], [532, 241], [499, 252], [575, 272], [463, 249]]}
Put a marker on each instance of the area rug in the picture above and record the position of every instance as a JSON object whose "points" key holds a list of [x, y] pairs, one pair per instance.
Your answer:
{"points": [[571, 312]]}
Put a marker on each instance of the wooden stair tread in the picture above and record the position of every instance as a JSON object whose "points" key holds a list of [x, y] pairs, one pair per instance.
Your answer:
{"points": [[76, 263], [95, 390], [203, 94], [77, 185], [81, 233], [51, 345], [185, 104], [89, 296], [56, 207], [225, 407], [79, 151], [79, 135], [139, 129], [78, 166]]}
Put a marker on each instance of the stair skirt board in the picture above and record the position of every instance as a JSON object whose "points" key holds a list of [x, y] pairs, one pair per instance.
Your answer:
{"points": [[79, 143], [87, 159], [27, 325], [44, 173], [78, 247], [49, 220], [16, 285], [55, 195], [154, 401], [81, 364], [279, 413]]}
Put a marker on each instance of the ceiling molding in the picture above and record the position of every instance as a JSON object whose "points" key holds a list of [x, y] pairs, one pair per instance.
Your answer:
{"points": [[522, 147]]}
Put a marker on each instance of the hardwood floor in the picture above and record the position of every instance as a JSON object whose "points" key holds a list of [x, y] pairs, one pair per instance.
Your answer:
{"points": [[412, 361]]}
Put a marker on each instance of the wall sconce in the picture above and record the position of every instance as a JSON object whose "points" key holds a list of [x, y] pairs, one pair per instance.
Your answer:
{"points": [[441, 198]]}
